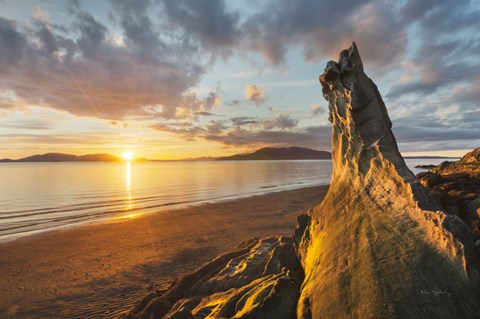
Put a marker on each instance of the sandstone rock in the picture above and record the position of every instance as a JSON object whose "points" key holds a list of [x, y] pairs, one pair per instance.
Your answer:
{"points": [[378, 243], [430, 180], [474, 206], [378, 246], [422, 175], [428, 166], [470, 196], [477, 243], [471, 157], [457, 189], [260, 279], [444, 165], [303, 222], [458, 177], [451, 186], [183, 313], [469, 164], [452, 210], [472, 213]]}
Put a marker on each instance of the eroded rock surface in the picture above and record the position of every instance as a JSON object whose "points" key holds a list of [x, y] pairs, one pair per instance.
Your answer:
{"points": [[456, 188], [260, 279], [378, 246], [468, 164]]}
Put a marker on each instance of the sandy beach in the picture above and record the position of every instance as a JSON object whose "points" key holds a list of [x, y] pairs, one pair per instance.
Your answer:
{"points": [[101, 270]]}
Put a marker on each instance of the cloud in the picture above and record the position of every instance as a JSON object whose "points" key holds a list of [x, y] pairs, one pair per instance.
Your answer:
{"points": [[138, 28], [416, 10], [244, 120], [446, 60], [204, 113], [30, 124], [281, 121], [41, 15], [313, 137], [207, 22], [148, 65], [281, 130], [316, 109], [278, 122], [18, 141], [84, 73], [322, 28], [425, 146], [233, 102], [439, 123], [412, 133], [431, 76], [190, 132], [192, 105], [12, 44], [254, 93]]}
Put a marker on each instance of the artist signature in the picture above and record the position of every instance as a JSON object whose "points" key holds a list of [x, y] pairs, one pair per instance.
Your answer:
{"points": [[435, 293]]}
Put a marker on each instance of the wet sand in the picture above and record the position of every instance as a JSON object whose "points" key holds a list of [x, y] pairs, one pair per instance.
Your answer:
{"points": [[101, 270]]}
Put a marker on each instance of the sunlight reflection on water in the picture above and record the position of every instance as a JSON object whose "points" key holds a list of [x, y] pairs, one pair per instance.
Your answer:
{"points": [[38, 196], [128, 174]]}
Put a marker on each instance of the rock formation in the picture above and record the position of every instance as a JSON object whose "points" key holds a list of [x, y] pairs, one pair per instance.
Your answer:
{"points": [[455, 186], [378, 246], [260, 279], [469, 164]]}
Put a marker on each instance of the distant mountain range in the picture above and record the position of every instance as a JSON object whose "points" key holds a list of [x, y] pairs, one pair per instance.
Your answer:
{"points": [[285, 153], [60, 157], [267, 153]]}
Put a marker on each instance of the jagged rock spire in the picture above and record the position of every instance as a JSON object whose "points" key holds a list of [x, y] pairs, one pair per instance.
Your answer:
{"points": [[359, 117]]}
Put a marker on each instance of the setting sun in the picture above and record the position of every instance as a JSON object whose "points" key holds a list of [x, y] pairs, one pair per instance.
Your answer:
{"points": [[128, 155]]}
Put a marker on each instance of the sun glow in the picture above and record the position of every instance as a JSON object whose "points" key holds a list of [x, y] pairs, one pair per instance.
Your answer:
{"points": [[128, 155]]}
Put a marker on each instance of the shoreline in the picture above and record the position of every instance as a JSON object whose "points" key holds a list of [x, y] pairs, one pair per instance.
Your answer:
{"points": [[100, 270], [144, 211]]}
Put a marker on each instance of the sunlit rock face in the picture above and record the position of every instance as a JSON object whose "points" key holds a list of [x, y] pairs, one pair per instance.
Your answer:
{"points": [[378, 246], [469, 164], [260, 279], [455, 186]]}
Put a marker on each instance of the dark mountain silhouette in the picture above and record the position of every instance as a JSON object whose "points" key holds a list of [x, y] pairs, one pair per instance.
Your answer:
{"points": [[60, 157], [98, 158], [285, 153], [267, 153]]}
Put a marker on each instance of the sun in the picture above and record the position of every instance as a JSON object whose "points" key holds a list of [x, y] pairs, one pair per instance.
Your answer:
{"points": [[128, 155]]}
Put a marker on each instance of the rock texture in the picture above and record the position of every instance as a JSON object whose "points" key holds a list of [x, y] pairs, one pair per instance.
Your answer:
{"points": [[378, 246], [469, 164], [260, 279], [456, 188]]}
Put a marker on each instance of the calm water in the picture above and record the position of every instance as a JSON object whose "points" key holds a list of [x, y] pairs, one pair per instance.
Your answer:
{"points": [[36, 197]]}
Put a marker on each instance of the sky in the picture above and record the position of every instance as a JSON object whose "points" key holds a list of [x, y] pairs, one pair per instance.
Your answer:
{"points": [[172, 79]]}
